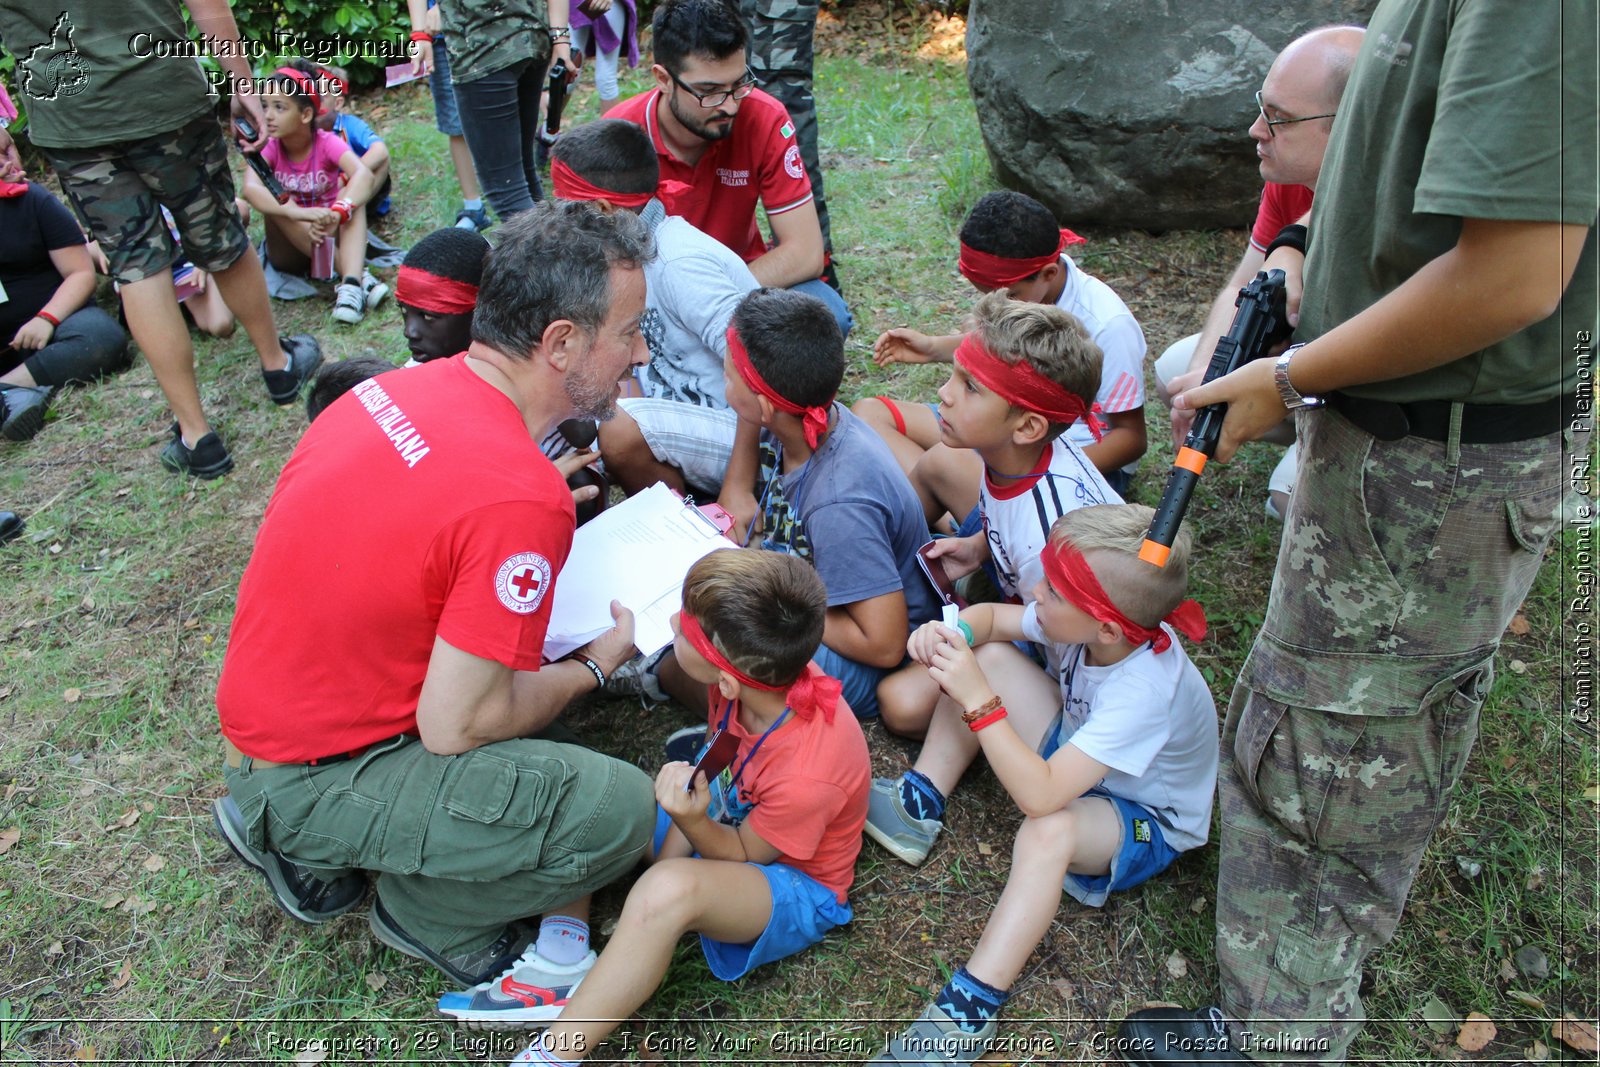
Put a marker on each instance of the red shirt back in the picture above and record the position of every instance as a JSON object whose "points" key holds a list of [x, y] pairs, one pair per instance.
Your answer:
{"points": [[759, 162], [1280, 205], [416, 506]]}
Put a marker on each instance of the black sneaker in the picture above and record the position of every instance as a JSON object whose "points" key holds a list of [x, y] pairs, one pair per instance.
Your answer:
{"points": [[207, 459], [11, 526], [685, 744], [469, 968], [24, 407], [1172, 1035], [299, 892], [305, 356]]}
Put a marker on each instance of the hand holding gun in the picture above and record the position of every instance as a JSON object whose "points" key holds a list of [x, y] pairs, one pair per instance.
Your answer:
{"points": [[1259, 324], [557, 88], [247, 130]]}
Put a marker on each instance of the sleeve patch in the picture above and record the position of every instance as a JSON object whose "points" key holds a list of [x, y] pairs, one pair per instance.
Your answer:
{"points": [[522, 581]]}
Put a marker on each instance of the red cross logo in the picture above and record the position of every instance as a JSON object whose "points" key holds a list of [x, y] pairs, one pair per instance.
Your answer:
{"points": [[527, 581], [521, 582]]}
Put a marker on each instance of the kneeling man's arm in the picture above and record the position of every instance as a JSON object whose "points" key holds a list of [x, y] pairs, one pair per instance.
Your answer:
{"points": [[797, 255]]}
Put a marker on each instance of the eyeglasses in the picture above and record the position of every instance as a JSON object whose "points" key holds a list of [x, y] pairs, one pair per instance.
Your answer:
{"points": [[717, 97], [1273, 123]]}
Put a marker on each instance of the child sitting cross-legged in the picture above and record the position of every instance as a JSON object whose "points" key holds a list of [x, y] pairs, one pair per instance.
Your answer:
{"points": [[759, 859], [328, 184], [1113, 760], [1018, 386]]}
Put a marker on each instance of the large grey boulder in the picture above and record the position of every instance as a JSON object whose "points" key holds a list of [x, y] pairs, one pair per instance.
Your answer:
{"points": [[1132, 112]]}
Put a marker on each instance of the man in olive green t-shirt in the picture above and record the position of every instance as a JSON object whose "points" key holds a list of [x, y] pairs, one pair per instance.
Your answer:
{"points": [[117, 102], [1449, 296]]}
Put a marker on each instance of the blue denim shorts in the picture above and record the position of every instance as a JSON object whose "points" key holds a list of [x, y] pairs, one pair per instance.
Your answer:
{"points": [[445, 115], [803, 911]]}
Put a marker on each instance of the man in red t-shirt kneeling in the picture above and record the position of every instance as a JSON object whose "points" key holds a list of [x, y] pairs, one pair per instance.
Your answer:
{"points": [[383, 683]]}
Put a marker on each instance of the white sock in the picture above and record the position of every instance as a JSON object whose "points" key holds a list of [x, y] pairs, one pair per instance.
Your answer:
{"points": [[563, 940]]}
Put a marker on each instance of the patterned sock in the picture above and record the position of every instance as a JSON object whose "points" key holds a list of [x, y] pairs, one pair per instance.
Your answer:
{"points": [[537, 1053], [921, 798], [563, 939], [970, 1001]]}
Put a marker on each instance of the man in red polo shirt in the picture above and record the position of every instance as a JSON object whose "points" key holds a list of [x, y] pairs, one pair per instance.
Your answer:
{"points": [[725, 146], [383, 682]]}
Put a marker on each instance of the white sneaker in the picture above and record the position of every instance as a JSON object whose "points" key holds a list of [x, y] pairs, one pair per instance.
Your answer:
{"points": [[349, 303], [373, 290], [532, 991]]}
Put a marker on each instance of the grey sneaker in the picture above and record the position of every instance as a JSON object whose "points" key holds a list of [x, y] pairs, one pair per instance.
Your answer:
{"points": [[890, 825], [299, 892], [305, 356], [24, 407], [349, 303], [208, 458], [468, 968], [372, 290], [935, 1037], [638, 678]]}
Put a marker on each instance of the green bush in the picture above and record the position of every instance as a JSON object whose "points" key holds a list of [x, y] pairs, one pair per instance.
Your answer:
{"points": [[316, 26]]}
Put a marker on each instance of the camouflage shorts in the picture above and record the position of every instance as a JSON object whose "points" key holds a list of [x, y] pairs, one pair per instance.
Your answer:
{"points": [[119, 189]]}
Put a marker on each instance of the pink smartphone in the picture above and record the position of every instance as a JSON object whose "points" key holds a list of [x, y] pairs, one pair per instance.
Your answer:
{"points": [[718, 755]]}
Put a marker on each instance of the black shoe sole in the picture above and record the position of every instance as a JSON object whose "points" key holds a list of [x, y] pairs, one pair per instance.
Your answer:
{"points": [[205, 473], [28, 422]]}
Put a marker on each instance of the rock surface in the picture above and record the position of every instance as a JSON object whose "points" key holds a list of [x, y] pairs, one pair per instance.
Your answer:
{"points": [[1132, 112]]}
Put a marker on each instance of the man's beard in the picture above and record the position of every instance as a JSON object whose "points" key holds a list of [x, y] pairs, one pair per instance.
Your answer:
{"points": [[590, 399], [692, 121]]}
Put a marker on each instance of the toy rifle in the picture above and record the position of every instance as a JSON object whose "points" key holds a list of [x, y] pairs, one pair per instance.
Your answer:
{"points": [[247, 130], [1260, 323]]}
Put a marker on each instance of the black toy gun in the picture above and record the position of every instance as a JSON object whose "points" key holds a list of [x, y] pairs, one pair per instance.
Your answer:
{"points": [[247, 130], [1259, 324], [557, 89]]}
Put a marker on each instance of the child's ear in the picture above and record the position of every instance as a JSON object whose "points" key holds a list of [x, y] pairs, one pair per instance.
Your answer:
{"points": [[1109, 633], [728, 686], [767, 410], [1030, 429]]}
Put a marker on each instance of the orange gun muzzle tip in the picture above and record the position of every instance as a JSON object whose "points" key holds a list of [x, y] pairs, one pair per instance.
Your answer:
{"points": [[1154, 553]]}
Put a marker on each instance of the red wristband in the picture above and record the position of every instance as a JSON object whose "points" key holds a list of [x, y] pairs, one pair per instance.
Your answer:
{"points": [[421, 35], [988, 720], [51, 319], [342, 208]]}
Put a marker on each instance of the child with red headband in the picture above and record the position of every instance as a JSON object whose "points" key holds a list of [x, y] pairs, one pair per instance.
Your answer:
{"points": [[1017, 385], [1011, 243], [1112, 758], [827, 490], [759, 859], [311, 164], [437, 291]]}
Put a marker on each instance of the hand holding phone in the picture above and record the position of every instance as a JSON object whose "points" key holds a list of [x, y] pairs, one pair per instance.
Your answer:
{"points": [[721, 747]]}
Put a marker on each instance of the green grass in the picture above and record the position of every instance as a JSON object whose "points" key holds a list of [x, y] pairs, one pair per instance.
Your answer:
{"points": [[147, 942]]}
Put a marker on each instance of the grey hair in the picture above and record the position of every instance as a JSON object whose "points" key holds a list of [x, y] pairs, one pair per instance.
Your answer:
{"points": [[554, 262]]}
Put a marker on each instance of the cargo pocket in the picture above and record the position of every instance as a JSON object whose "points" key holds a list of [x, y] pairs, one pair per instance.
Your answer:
{"points": [[497, 817], [253, 811], [1298, 760], [1330, 968]]}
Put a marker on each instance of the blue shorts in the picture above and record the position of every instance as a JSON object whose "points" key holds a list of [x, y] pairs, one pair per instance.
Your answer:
{"points": [[803, 911], [860, 680], [445, 115], [1143, 853]]}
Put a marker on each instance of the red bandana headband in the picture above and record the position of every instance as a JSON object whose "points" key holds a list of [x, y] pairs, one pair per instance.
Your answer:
{"points": [[434, 293], [814, 420], [812, 692], [988, 271], [570, 185], [1070, 575], [306, 82], [9, 190], [1019, 384]]}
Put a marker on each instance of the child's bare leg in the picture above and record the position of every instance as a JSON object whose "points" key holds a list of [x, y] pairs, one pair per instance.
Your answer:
{"points": [[725, 901], [466, 176], [906, 700], [1031, 698], [210, 312], [289, 243], [1082, 838], [947, 480], [350, 258], [921, 427]]}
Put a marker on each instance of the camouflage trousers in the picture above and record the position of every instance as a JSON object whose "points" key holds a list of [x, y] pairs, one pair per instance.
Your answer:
{"points": [[1401, 565], [781, 57]]}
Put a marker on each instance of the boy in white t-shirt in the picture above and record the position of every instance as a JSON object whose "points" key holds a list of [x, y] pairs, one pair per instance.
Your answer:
{"points": [[1011, 244], [1113, 759]]}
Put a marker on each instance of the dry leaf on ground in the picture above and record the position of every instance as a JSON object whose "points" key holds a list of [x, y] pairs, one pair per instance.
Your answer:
{"points": [[124, 976], [125, 820], [154, 863], [1476, 1032], [1576, 1034], [73, 695], [314, 1054], [8, 837], [1519, 625], [1177, 966]]}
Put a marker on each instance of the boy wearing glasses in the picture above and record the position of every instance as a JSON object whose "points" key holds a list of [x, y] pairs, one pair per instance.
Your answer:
{"points": [[726, 146]]}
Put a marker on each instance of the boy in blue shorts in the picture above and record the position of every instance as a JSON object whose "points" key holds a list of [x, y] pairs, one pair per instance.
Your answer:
{"points": [[759, 858], [827, 490], [1113, 759]]}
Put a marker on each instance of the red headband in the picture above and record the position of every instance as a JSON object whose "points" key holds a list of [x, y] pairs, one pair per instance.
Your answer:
{"points": [[812, 692], [8, 190], [306, 82], [434, 293], [988, 271], [814, 420], [570, 185], [1070, 575], [1019, 384]]}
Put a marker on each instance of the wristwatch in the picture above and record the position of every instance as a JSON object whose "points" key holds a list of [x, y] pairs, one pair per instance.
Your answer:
{"points": [[1286, 392]]}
